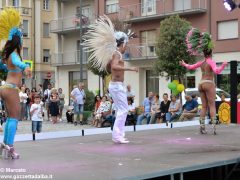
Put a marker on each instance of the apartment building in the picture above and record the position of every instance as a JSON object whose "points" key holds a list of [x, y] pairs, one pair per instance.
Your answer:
{"points": [[38, 43], [144, 16]]}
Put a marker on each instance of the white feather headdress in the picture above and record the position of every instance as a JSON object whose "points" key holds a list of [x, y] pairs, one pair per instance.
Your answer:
{"points": [[100, 42]]}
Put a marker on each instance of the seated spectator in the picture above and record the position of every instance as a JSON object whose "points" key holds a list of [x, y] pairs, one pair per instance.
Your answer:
{"points": [[130, 93], [131, 111], [148, 101], [97, 102], [164, 106], [174, 109], [155, 109], [69, 115], [103, 110], [190, 108], [112, 116]]}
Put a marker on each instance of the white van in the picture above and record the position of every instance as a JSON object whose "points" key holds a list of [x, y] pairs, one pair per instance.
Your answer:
{"points": [[195, 91]]}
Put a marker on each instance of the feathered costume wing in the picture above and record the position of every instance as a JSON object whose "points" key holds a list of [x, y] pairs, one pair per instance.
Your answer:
{"points": [[9, 21], [100, 42]]}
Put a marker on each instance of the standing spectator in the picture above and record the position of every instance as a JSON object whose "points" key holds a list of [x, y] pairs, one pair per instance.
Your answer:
{"points": [[174, 109], [47, 94], [36, 114], [164, 106], [40, 91], [23, 100], [61, 102], [130, 92], [54, 105], [78, 95], [223, 97], [155, 109], [32, 95], [190, 108], [28, 104], [147, 103]]}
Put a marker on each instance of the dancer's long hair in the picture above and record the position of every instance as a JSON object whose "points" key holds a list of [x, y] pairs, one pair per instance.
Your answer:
{"points": [[10, 47]]}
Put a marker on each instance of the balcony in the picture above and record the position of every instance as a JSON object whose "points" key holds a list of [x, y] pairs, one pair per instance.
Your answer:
{"points": [[140, 52], [157, 9], [24, 11], [71, 23], [68, 58]]}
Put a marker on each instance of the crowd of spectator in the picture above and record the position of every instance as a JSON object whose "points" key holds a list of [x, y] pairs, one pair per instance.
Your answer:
{"points": [[152, 109], [52, 100]]}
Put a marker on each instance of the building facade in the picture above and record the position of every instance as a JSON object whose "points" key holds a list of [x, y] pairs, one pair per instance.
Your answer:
{"points": [[38, 43], [144, 17]]}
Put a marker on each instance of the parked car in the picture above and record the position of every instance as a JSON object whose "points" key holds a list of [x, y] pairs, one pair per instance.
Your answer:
{"points": [[195, 91]]}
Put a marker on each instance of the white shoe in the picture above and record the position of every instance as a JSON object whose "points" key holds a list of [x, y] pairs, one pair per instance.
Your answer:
{"points": [[124, 141]]}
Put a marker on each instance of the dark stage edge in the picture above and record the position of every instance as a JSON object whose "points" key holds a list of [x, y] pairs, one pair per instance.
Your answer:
{"points": [[150, 154]]}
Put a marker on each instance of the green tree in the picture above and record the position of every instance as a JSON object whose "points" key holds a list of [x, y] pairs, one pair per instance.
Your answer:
{"points": [[101, 74], [171, 48]]}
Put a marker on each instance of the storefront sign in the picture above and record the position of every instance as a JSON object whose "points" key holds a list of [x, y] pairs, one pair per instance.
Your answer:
{"points": [[30, 63]]}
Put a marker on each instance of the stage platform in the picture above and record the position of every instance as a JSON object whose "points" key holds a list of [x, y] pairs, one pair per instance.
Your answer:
{"points": [[151, 153]]}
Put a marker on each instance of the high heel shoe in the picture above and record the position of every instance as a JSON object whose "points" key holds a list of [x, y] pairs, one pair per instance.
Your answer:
{"points": [[202, 125]]}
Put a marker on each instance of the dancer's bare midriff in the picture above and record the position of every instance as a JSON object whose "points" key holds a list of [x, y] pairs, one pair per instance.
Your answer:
{"points": [[207, 72], [117, 68], [207, 81], [118, 75], [13, 77]]}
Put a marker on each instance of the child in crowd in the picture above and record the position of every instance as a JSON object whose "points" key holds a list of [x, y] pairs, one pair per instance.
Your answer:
{"points": [[36, 111], [54, 107], [69, 115]]}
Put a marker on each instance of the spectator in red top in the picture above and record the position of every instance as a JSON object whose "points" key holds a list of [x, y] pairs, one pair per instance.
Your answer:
{"points": [[97, 102]]}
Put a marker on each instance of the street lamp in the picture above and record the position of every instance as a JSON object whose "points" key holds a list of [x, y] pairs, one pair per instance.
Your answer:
{"points": [[230, 5], [80, 45]]}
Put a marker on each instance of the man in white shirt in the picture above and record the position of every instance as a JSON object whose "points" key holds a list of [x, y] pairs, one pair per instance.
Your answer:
{"points": [[23, 100], [130, 93], [78, 96]]}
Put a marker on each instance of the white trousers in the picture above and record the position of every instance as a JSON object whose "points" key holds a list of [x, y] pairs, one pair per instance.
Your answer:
{"points": [[119, 96]]}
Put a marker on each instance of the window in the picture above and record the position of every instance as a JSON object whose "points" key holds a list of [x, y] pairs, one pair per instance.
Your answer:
{"points": [[46, 55], [25, 53], [25, 28], [148, 7], [191, 81], [46, 4], [148, 40], [46, 30], [15, 3], [152, 84], [227, 29], [112, 6], [180, 5]]}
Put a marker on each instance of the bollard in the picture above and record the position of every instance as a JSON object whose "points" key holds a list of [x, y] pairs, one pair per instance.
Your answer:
{"points": [[33, 137], [171, 125], [82, 132], [134, 127]]}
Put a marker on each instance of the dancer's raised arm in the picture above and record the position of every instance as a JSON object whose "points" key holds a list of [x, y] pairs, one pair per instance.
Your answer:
{"points": [[214, 67], [191, 66]]}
